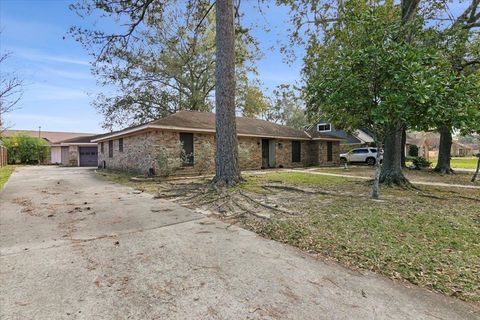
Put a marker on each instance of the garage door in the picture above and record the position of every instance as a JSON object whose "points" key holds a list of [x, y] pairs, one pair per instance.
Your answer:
{"points": [[88, 157]]}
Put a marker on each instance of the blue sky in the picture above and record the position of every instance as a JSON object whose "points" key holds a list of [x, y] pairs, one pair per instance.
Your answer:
{"points": [[58, 84], [56, 71]]}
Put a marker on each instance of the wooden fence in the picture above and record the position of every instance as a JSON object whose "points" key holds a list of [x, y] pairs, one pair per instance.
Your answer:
{"points": [[3, 156]]}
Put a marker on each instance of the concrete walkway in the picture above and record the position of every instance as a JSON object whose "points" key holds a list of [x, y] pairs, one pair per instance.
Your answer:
{"points": [[76, 247], [424, 183]]}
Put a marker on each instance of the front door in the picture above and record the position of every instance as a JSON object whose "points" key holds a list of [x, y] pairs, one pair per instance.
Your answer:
{"points": [[268, 153], [265, 153]]}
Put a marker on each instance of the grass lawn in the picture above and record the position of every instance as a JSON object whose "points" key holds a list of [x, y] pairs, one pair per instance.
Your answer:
{"points": [[462, 163], [425, 175], [428, 236], [5, 173]]}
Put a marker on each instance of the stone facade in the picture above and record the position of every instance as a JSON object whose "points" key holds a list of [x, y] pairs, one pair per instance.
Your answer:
{"points": [[140, 152]]}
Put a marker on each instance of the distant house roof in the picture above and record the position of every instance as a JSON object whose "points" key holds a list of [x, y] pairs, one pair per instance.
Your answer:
{"points": [[82, 139], [193, 121], [335, 134], [360, 136], [52, 137]]}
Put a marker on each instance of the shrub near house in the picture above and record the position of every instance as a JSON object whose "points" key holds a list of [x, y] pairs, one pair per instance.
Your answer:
{"points": [[26, 150]]}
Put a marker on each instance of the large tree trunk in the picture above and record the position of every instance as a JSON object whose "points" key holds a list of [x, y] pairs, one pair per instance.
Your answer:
{"points": [[378, 170], [444, 150], [227, 167], [478, 169], [391, 173], [404, 142]]}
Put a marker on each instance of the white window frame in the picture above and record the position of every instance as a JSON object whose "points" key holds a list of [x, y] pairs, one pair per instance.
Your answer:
{"points": [[323, 124]]}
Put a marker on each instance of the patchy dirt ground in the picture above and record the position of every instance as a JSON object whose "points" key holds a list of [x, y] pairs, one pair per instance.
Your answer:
{"points": [[428, 235]]}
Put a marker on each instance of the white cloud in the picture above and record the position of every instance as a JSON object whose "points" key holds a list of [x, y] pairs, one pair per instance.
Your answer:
{"points": [[43, 92], [34, 55], [67, 74]]}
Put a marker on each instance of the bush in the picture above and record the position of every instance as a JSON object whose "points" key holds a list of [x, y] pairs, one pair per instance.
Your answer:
{"points": [[169, 160], [23, 149], [413, 150], [243, 154], [421, 162], [204, 158]]}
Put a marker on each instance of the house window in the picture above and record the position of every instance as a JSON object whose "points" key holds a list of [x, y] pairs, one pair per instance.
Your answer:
{"points": [[360, 151], [187, 143], [324, 127], [329, 151], [110, 149], [296, 151], [101, 147], [120, 145]]}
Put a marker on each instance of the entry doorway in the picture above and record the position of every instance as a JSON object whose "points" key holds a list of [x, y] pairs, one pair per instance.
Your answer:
{"points": [[268, 153]]}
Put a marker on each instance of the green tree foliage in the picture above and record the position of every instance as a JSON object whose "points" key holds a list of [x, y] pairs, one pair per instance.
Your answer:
{"points": [[26, 150], [254, 102], [163, 62], [286, 107], [364, 72], [413, 151]]}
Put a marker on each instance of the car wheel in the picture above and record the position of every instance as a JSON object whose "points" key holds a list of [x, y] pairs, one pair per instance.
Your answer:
{"points": [[371, 161], [343, 161]]}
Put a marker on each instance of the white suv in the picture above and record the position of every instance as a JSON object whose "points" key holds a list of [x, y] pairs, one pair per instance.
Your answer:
{"points": [[361, 155]]}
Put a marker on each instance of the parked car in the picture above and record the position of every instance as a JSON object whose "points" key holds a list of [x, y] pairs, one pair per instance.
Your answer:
{"points": [[361, 155]]}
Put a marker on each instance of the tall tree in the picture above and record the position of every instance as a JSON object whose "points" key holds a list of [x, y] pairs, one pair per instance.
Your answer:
{"points": [[254, 103], [140, 14], [394, 151], [10, 91], [286, 107], [227, 167], [365, 73], [167, 64], [461, 42]]}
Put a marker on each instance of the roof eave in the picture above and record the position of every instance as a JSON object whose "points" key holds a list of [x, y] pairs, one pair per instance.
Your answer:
{"points": [[150, 126]]}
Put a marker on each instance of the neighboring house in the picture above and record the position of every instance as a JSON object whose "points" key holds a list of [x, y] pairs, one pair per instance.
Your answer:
{"points": [[461, 150], [358, 139], [422, 144], [53, 139], [262, 144], [432, 139]]}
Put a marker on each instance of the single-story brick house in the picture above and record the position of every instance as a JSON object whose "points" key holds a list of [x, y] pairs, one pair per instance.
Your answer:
{"points": [[263, 144]]}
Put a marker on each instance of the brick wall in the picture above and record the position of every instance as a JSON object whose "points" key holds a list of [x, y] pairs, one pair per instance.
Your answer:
{"points": [[322, 153], [140, 152], [137, 156], [73, 156]]}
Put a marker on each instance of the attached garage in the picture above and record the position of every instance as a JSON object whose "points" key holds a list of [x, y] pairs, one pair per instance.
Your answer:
{"points": [[80, 152], [88, 156]]}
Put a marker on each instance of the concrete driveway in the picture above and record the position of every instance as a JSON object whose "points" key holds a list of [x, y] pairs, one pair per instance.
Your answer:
{"points": [[76, 247]]}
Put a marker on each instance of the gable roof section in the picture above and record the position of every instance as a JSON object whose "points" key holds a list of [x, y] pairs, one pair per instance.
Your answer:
{"points": [[52, 137], [82, 140], [193, 121], [334, 134]]}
